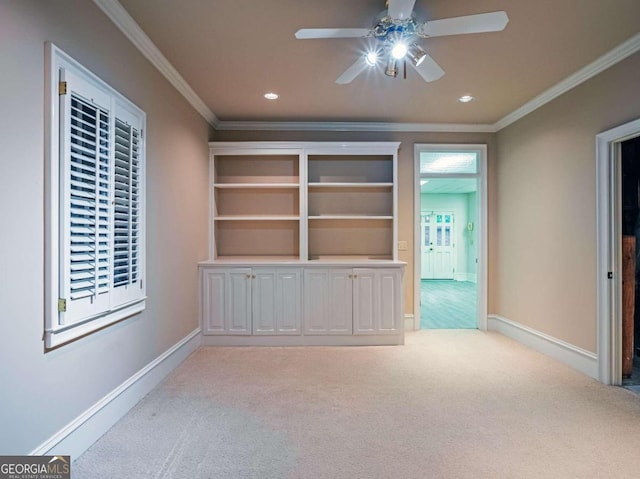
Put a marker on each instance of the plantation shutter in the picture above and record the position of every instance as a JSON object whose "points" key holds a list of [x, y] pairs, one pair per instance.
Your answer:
{"points": [[85, 189], [94, 209], [127, 205]]}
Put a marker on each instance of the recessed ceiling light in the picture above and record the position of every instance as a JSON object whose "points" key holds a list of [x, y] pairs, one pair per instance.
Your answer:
{"points": [[465, 99], [271, 96]]}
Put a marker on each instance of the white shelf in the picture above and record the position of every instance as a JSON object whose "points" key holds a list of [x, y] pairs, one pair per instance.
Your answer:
{"points": [[258, 218], [253, 260], [351, 185], [350, 217], [257, 185]]}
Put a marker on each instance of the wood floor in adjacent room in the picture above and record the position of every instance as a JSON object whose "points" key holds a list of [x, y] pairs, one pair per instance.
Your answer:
{"points": [[448, 304], [448, 404]]}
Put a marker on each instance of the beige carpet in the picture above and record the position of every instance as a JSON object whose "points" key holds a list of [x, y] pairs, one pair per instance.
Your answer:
{"points": [[448, 404]]}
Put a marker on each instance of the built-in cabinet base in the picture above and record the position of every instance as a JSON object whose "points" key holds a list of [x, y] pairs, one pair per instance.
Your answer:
{"points": [[300, 303]]}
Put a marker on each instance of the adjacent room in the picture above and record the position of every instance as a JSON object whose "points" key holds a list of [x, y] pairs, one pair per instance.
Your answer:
{"points": [[320, 239]]}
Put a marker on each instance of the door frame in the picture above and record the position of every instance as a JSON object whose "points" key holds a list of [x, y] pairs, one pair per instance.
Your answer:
{"points": [[481, 224], [608, 248]]}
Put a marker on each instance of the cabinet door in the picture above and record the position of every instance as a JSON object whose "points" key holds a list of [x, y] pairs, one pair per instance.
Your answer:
{"points": [[238, 301], [213, 301], [288, 301], [366, 301], [327, 301], [389, 283], [316, 301], [340, 301], [263, 295]]}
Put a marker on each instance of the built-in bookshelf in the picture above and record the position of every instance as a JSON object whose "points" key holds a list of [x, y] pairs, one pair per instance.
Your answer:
{"points": [[305, 201], [303, 245], [255, 203], [350, 206]]}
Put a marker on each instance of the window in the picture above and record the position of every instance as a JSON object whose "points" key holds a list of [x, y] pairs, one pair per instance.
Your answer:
{"points": [[95, 203], [448, 162]]}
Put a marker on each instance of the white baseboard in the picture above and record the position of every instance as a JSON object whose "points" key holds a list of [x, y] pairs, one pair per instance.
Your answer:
{"points": [[410, 323], [311, 340], [468, 277], [77, 436], [584, 361]]}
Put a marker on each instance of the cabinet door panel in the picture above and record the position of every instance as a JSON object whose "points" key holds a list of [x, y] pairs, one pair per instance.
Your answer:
{"points": [[390, 302], [341, 301], [213, 302], [288, 301], [365, 301], [238, 317], [316, 301], [263, 294]]}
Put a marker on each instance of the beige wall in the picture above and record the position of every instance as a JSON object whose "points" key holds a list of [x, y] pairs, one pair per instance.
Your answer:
{"points": [[405, 177], [544, 224], [43, 392]]}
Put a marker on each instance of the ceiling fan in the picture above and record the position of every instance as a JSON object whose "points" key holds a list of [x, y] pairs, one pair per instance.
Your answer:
{"points": [[396, 33]]}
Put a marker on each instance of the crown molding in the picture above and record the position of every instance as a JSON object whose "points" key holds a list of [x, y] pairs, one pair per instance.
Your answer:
{"points": [[353, 126], [117, 13], [607, 60], [121, 18]]}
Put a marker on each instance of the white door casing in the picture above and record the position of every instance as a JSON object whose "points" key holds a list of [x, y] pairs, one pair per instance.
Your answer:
{"points": [[480, 226]]}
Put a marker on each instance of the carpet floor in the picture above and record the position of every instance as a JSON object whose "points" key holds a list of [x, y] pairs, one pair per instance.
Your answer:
{"points": [[448, 404]]}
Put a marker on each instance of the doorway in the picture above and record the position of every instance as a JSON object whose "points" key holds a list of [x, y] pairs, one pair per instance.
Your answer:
{"points": [[630, 264], [450, 237], [610, 236]]}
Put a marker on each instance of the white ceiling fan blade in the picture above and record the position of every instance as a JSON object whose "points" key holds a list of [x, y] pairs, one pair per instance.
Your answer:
{"points": [[401, 9], [429, 70], [353, 71], [313, 33], [483, 22]]}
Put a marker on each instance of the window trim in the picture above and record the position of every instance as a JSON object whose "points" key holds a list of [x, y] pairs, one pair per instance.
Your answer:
{"points": [[55, 332]]}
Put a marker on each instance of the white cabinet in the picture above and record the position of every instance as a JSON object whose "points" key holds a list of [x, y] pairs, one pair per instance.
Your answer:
{"points": [[361, 301], [303, 242], [226, 301], [327, 301], [277, 301], [377, 305], [365, 312], [245, 301]]}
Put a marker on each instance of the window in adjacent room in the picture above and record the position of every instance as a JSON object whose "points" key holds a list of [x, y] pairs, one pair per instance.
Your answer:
{"points": [[95, 246]]}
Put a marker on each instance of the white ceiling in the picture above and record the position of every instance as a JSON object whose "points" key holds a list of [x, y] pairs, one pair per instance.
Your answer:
{"points": [[231, 52]]}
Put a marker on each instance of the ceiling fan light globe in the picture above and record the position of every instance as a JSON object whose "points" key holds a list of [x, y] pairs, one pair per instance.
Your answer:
{"points": [[392, 69], [416, 54], [371, 58], [399, 50], [391, 73]]}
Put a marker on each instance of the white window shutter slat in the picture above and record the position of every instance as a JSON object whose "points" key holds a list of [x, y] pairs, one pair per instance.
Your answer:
{"points": [[85, 230], [126, 205]]}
